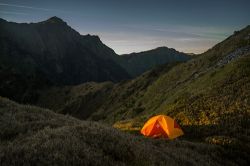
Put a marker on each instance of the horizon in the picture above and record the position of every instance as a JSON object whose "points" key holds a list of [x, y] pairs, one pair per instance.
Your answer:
{"points": [[128, 27]]}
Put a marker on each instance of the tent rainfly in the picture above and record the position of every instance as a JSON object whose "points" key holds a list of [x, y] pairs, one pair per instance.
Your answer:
{"points": [[161, 126]]}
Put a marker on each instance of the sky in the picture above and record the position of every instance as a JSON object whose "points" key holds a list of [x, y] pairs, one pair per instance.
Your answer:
{"points": [[190, 26]]}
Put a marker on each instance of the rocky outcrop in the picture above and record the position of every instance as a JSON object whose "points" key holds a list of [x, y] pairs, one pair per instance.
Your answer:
{"points": [[233, 56]]}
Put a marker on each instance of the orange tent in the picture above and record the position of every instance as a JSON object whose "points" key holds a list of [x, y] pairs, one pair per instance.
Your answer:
{"points": [[161, 126]]}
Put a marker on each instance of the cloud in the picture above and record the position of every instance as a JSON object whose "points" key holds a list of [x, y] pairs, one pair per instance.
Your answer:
{"points": [[180, 31], [15, 13]]}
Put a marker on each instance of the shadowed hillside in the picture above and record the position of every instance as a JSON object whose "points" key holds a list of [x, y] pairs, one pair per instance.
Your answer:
{"points": [[34, 136]]}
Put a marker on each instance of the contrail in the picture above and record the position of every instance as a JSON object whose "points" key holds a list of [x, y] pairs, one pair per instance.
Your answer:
{"points": [[30, 7]]}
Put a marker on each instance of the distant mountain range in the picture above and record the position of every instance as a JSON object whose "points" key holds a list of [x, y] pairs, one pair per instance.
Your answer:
{"points": [[138, 63]]}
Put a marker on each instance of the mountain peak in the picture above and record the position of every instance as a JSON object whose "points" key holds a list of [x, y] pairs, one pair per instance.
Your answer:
{"points": [[162, 47], [55, 19]]}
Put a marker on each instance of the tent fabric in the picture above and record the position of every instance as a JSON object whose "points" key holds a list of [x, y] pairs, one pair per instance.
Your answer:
{"points": [[161, 126]]}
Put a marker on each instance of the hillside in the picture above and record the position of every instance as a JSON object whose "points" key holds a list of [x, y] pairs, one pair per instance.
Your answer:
{"points": [[83, 100], [138, 63], [34, 136], [208, 95]]}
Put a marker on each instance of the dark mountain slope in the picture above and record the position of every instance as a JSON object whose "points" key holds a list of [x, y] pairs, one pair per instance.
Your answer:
{"points": [[138, 63], [59, 52], [21, 87], [31, 135]]}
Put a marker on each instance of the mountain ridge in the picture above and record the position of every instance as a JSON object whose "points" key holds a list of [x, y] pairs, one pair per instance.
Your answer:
{"points": [[137, 63], [51, 51], [54, 40]]}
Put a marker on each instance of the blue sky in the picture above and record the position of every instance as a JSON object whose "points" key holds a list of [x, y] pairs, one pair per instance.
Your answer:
{"points": [[137, 25]]}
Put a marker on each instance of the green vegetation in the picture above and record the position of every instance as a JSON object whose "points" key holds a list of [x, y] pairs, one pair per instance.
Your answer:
{"points": [[33, 136]]}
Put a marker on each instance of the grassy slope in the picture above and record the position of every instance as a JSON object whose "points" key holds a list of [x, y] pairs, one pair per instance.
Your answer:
{"points": [[210, 102], [34, 136]]}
